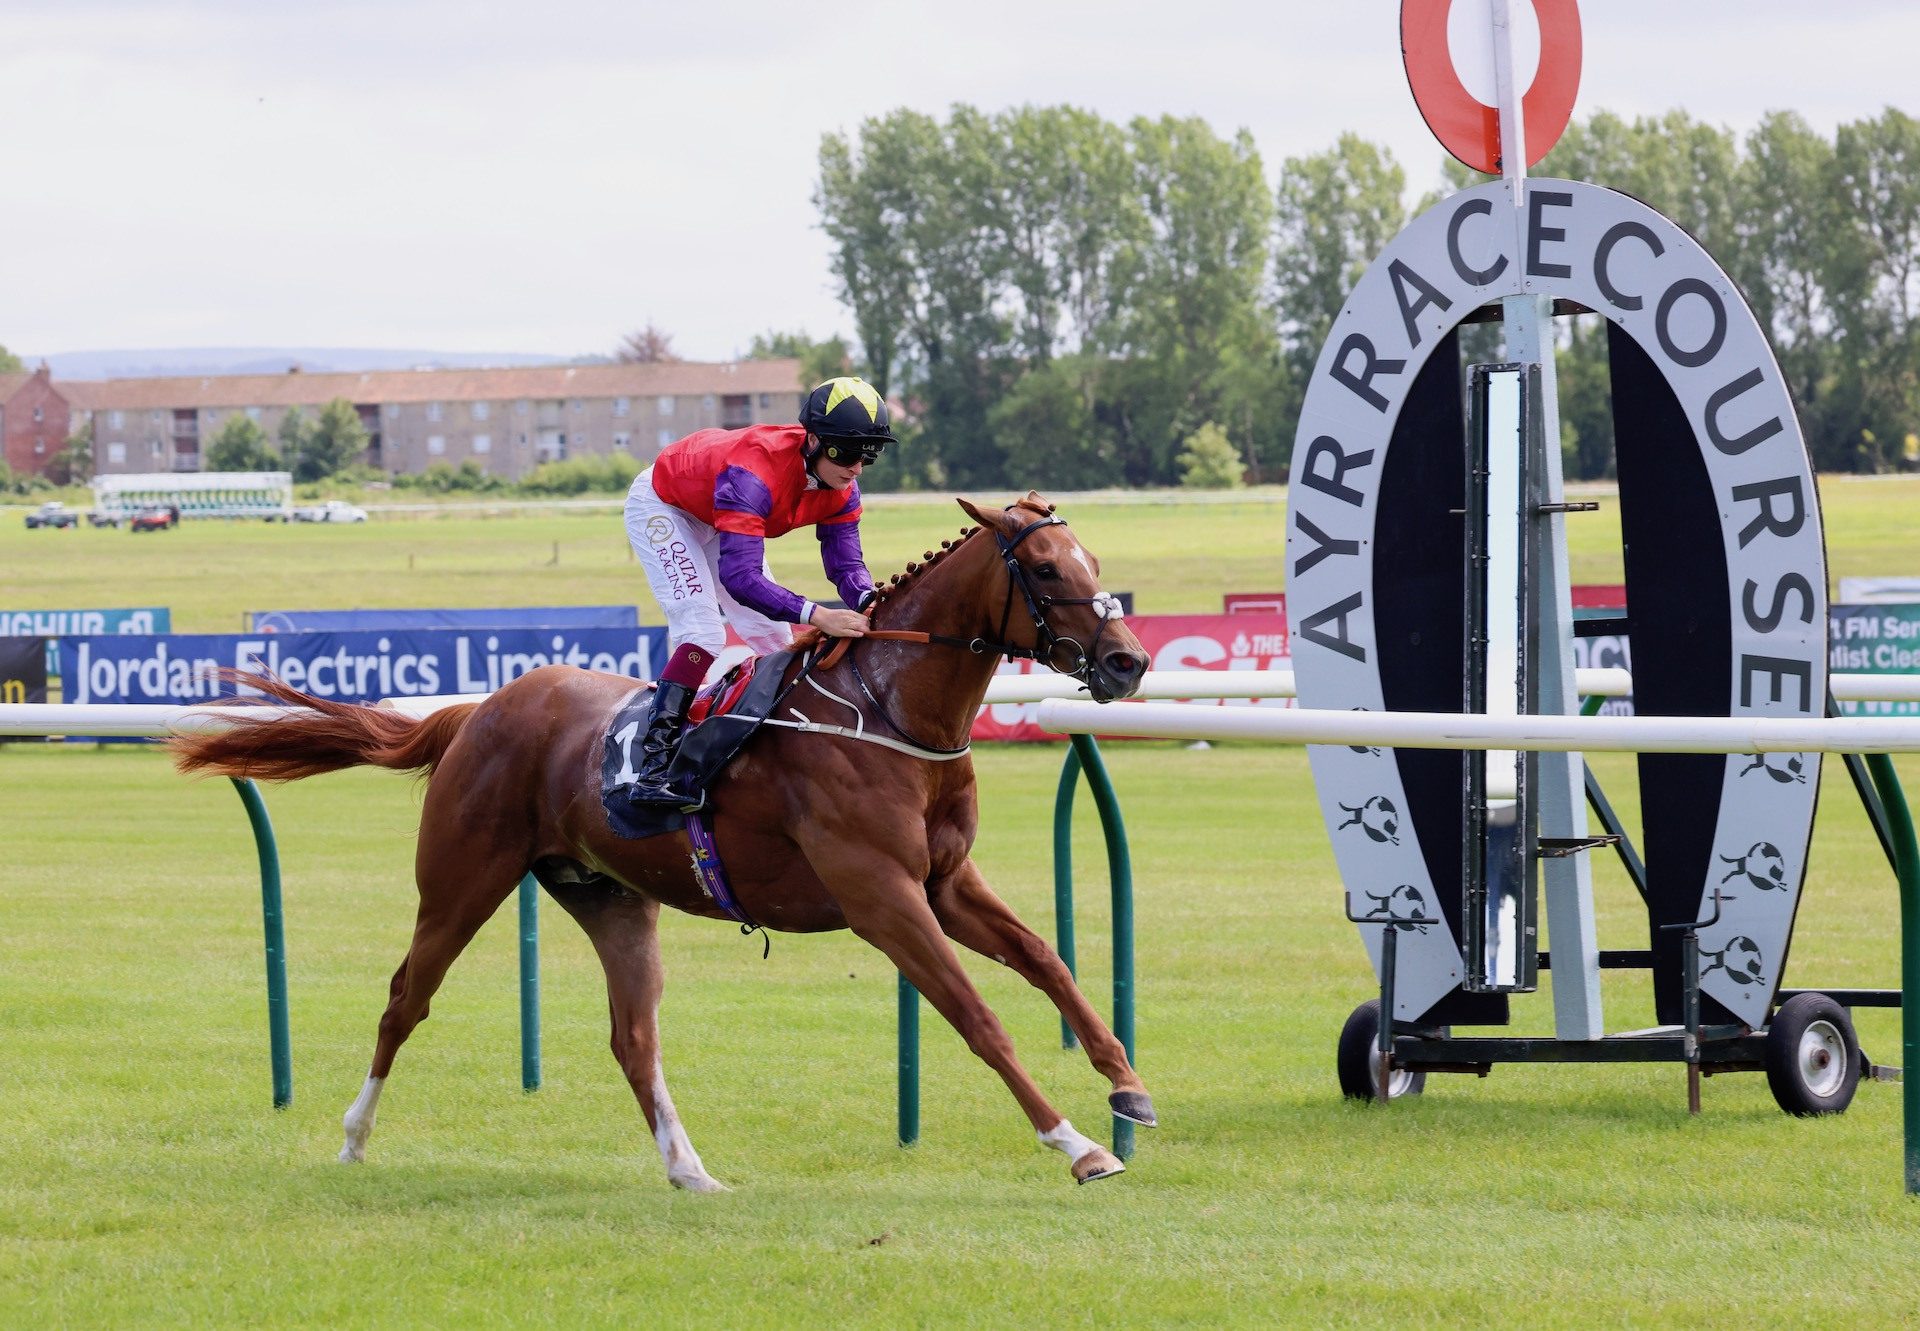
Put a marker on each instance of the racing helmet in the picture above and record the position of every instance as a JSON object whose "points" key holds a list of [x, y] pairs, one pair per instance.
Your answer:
{"points": [[849, 418]]}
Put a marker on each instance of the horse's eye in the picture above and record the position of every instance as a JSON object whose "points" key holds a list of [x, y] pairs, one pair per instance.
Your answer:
{"points": [[1047, 571]]}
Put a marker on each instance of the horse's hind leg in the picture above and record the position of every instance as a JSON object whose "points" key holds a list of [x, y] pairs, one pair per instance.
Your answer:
{"points": [[625, 934], [974, 916], [461, 885]]}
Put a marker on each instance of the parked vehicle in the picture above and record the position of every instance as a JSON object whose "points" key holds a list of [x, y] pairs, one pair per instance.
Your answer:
{"points": [[100, 517], [153, 517], [53, 513], [334, 510]]}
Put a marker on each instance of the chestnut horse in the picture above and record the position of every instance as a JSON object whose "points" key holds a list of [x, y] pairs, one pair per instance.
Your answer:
{"points": [[860, 814]]}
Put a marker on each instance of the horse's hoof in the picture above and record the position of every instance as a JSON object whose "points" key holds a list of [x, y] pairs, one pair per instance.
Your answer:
{"points": [[1134, 1106], [698, 1183], [1095, 1164], [350, 1155]]}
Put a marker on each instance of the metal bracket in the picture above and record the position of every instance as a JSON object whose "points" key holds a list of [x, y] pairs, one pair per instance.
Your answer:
{"points": [[1576, 506], [1559, 847]]}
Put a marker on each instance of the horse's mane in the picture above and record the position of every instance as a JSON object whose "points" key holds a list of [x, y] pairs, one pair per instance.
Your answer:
{"points": [[901, 582]]}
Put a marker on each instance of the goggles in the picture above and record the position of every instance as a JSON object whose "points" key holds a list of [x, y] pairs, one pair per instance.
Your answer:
{"points": [[846, 452]]}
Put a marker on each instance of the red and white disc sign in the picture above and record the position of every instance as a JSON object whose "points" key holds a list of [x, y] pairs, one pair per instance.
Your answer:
{"points": [[1465, 120]]}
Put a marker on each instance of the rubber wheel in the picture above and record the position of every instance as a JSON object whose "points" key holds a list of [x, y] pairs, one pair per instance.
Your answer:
{"points": [[1813, 1059], [1358, 1059]]}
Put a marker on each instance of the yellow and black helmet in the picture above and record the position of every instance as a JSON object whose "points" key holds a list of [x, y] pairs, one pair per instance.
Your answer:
{"points": [[849, 418]]}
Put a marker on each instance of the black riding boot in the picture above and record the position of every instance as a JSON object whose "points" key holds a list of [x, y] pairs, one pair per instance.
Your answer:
{"points": [[655, 783]]}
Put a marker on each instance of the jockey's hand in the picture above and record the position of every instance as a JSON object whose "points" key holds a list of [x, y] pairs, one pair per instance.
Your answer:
{"points": [[839, 623]]}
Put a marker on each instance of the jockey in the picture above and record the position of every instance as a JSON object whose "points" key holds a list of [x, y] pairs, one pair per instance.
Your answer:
{"points": [[708, 504]]}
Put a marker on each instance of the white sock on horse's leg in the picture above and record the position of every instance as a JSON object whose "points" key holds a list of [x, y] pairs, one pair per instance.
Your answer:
{"points": [[359, 1121], [1065, 1140], [684, 1169]]}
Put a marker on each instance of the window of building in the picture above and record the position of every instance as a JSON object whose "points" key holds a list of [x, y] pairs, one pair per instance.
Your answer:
{"points": [[622, 405], [481, 410], [253, 413], [434, 411], [666, 406], [116, 454], [578, 405], [157, 416], [393, 410], [766, 401], [520, 407], [39, 414], [706, 403], [436, 444], [483, 443], [666, 437], [622, 440], [116, 419]]}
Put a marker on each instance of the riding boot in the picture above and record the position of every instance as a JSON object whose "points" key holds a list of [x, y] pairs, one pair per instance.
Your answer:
{"points": [[657, 782]]}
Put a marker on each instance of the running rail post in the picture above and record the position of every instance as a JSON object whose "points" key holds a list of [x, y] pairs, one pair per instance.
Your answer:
{"points": [[273, 920], [529, 984], [1063, 875], [1907, 868], [1120, 872], [909, 1063]]}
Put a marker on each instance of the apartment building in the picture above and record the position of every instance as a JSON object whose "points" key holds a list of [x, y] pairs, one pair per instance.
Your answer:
{"points": [[509, 421], [35, 419]]}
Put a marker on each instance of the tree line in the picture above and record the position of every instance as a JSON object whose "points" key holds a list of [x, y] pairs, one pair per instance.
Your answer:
{"points": [[1062, 300]]}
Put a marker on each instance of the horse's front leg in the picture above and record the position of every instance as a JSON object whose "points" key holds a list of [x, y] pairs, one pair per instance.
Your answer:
{"points": [[886, 905], [975, 917]]}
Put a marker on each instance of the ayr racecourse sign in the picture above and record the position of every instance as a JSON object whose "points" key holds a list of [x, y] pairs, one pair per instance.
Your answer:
{"points": [[1725, 566]]}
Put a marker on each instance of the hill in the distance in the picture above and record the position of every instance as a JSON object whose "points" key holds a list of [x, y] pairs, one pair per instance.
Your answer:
{"points": [[140, 364]]}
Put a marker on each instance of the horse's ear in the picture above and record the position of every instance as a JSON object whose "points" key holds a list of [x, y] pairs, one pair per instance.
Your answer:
{"points": [[1037, 500], [990, 518]]}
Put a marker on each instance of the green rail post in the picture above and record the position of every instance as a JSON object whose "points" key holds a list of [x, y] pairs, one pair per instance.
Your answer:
{"points": [[279, 1040], [529, 984], [1063, 875], [1907, 869], [1120, 873], [909, 1032]]}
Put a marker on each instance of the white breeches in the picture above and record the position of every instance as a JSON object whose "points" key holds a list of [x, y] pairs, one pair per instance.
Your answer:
{"points": [[680, 554]]}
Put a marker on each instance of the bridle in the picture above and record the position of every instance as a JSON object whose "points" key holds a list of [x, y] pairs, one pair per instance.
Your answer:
{"points": [[1047, 641], [1046, 648]]}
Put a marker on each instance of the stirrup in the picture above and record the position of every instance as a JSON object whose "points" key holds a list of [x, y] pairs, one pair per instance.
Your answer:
{"points": [[665, 794]]}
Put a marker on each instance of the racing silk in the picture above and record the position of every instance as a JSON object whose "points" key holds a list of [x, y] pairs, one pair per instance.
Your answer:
{"points": [[750, 485]]}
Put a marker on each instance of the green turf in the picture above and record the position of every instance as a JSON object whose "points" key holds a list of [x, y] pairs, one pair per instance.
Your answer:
{"points": [[1177, 557], [146, 1179]]}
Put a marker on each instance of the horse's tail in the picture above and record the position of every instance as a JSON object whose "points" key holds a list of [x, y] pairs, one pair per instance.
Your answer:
{"points": [[324, 736]]}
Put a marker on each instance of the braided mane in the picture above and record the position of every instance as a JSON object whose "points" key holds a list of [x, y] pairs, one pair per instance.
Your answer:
{"points": [[899, 582]]}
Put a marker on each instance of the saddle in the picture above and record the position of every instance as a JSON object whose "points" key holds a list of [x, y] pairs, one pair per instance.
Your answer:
{"points": [[724, 716]]}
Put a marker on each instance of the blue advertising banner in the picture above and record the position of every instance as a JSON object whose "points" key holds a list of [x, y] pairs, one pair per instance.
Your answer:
{"points": [[58, 623], [347, 667], [517, 617], [1878, 639], [61, 623]]}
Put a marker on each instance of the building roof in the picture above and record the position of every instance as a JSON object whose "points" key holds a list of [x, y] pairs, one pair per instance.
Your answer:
{"points": [[297, 388]]}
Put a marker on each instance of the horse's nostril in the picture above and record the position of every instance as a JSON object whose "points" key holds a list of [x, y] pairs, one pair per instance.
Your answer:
{"points": [[1125, 665]]}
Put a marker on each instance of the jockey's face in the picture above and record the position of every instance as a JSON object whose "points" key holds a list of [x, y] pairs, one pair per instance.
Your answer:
{"points": [[833, 475]]}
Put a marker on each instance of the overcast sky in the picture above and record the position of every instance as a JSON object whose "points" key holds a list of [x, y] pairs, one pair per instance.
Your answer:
{"points": [[542, 177]]}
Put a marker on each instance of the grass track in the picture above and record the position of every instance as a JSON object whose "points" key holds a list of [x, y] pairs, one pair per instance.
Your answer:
{"points": [[147, 1181]]}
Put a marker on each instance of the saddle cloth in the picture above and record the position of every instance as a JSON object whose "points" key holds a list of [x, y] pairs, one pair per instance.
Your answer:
{"points": [[722, 719]]}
